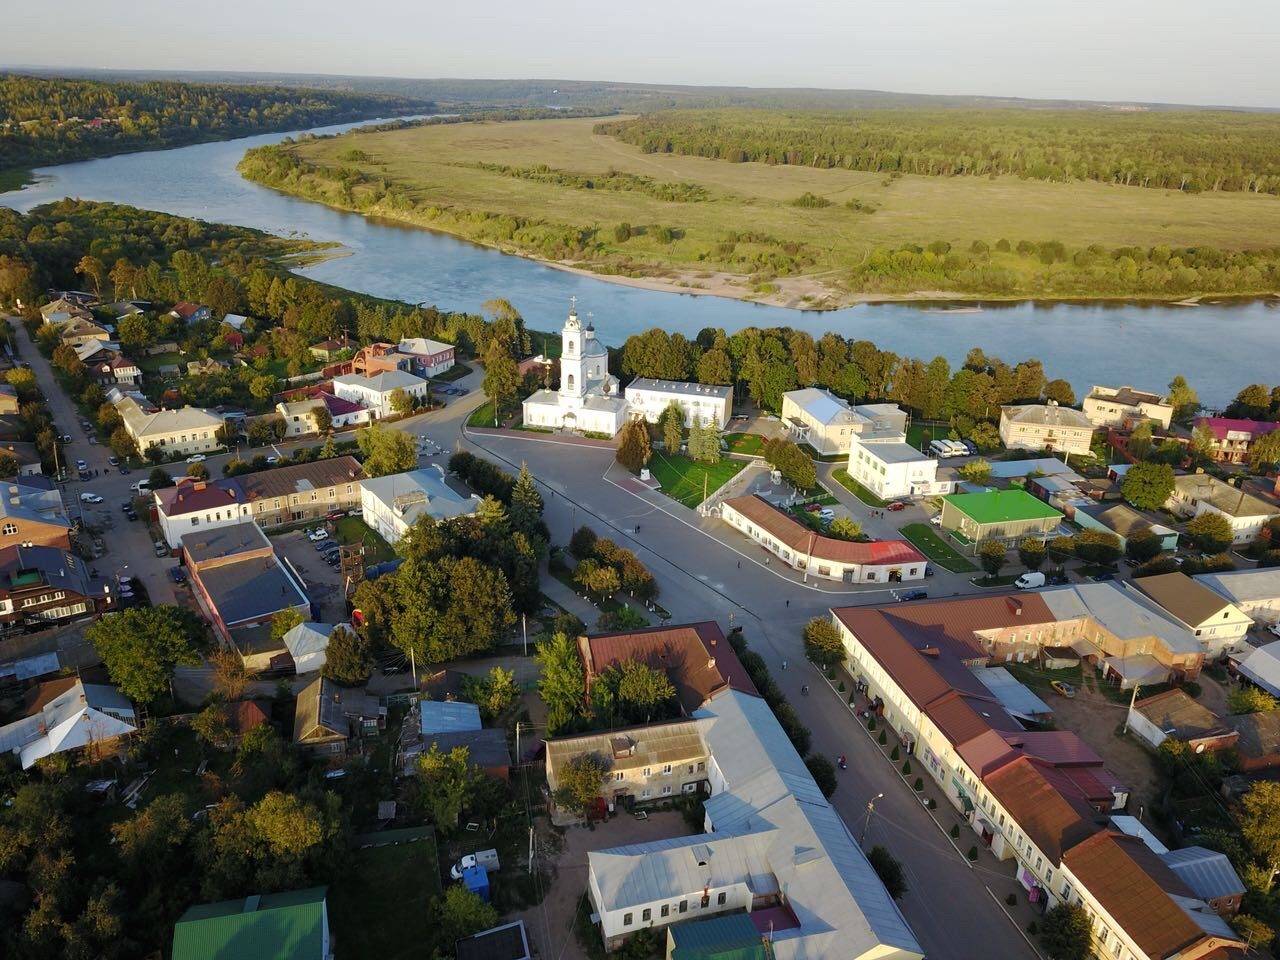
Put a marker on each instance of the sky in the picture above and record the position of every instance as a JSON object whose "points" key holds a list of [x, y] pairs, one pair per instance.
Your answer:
{"points": [[1179, 51]]}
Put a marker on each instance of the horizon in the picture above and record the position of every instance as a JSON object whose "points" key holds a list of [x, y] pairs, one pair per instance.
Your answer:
{"points": [[1002, 50]]}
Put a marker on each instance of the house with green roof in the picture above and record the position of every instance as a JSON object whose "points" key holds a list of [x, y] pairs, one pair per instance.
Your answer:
{"points": [[731, 936], [276, 926], [1008, 515]]}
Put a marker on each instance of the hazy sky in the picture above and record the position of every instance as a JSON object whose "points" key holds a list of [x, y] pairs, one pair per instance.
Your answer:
{"points": [[1189, 51]]}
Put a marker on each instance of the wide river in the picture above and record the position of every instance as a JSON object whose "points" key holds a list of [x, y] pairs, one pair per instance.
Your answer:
{"points": [[1218, 347]]}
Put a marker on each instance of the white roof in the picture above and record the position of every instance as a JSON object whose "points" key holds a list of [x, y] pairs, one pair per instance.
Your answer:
{"points": [[1262, 666], [1047, 466], [1134, 828], [1245, 586], [144, 424], [308, 639], [1208, 873], [411, 494], [1124, 612], [382, 382], [823, 406], [235, 321], [421, 346], [678, 388], [773, 828], [1013, 696], [78, 717], [893, 451]]}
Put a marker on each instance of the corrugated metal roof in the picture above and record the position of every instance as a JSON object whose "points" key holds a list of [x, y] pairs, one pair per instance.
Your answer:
{"points": [[1245, 586], [1013, 696], [283, 926], [1043, 805], [1207, 872], [447, 716]]}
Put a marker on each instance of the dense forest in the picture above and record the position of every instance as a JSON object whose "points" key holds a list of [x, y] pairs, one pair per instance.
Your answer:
{"points": [[1177, 150], [47, 120]]}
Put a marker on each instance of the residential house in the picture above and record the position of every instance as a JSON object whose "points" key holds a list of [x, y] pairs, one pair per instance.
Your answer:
{"points": [[26, 454], [700, 403], [1210, 876], [1125, 407], [328, 716], [40, 586], [392, 504], [293, 925], [240, 583], [695, 657], [380, 358], [68, 714], [804, 549], [114, 368], [191, 313], [177, 433], [307, 644], [1256, 592], [506, 942], [1219, 624], [32, 514], [8, 399], [1006, 515], [205, 367], [299, 415], [235, 321], [11, 427], [828, 424], [1123, 521], [1198, 493], [447, 716], [62, 310], [486, 748], [771, 845], [124, 308], [1045, 426], [430, 357], [77, 331], [272, 498], [374, 392], [1232, 438], [1261, 666], [1172, 713], [327, 350], [1258, 746]]}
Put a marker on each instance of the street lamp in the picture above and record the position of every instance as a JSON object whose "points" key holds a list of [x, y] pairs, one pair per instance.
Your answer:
{"points": [[871, 808]]}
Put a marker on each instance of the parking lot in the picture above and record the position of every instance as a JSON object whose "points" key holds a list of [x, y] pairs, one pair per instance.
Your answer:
{"points": [[323, 580]]}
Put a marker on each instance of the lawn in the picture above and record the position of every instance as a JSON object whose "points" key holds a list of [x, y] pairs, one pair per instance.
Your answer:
{"points": [[749, 444], [842, 477], [689, 482], [456, 372], [355, 530], [153, 364], [452, 174], [916, 433], [935, 548], [379, 905], [482, 416]]}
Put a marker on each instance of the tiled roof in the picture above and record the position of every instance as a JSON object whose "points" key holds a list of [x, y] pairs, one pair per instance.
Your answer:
{"points": [[696, 658], [300, 478], [800, 538], [1134, 886]]}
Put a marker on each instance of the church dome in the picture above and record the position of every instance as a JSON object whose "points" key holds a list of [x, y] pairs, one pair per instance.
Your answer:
{"points": [[594, 348]]}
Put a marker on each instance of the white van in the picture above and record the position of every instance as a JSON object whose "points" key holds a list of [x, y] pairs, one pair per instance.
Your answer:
{"points": [[958, 449], [142, 486], [940, 448], [1030, 580]]}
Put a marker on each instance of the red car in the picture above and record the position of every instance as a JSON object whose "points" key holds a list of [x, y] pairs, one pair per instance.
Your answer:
{"points": [[334, 516], [897, 505]]}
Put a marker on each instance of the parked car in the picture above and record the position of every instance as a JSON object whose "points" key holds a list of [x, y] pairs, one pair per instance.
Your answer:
{"points": [[897, 505], [114, 461], [1274, 629], [971, 447], [197, 458], [84, 475], [321, 545], [1063, 689], [273, 460], [90, 498], [332, 558], [177, 575], [481, 858], [936, 519], [908, 595], [82, 465], [124, 471], [1030, 580], [334, 515], [93, 441], [161, 548], [826, 513], [318, 533], [131, 514], [65, 438], [1103, 576]]}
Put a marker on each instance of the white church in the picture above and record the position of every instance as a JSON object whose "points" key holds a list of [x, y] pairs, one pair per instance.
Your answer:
{"points": [[589, 400]]}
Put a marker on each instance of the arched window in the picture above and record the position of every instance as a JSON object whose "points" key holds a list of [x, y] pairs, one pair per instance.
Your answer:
{"points": [[571, 381], [569, 347]]}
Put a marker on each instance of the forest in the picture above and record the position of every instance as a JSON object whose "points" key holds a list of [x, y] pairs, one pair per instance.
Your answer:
{"points": [[48, 120], [1191, 151]]}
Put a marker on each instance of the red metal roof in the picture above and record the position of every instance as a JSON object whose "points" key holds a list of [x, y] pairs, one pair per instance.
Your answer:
{"points": [[1221, 426], [801, 539], [1053, 815], [193, 496]]}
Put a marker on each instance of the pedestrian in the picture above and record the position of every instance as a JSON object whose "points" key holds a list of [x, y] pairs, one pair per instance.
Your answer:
{"points": [[788, 601], [739, 564], [784, 664]]}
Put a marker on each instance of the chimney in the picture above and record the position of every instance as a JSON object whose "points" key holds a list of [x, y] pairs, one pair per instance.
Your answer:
{"points": [[1015, 605], [711, 663]]}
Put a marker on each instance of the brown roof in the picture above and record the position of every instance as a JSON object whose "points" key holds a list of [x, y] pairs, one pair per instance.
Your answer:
{"points": [[1189, 600], [300, 477], [1259, 733], [1180, 716], [800, 538], [244, 715], [1134, 885], [43, 695], [1043, 804], [695, 657]]}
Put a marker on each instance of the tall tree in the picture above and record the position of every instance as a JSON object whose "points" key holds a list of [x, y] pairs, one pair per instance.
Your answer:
{"points": [[562, 684], [386, 450], [501, 376], [348, 657], [141, 647], [633, 445], [1183, 399], [449, 783], [1147, 485]]}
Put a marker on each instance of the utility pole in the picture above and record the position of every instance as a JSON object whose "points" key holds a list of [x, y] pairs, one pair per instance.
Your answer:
{"points": [[871, 808], [524, 630], [414, 667], [1132, 700]]}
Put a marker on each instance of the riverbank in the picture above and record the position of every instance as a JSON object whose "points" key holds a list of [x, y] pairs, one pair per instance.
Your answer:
{"points": [[15, 179]]}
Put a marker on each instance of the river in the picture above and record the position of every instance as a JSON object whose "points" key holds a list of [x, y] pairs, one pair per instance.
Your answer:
{"points": [[1218, 347]]}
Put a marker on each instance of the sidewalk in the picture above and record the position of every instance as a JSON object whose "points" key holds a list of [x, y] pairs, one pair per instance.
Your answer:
{"points": [[583, 609]]}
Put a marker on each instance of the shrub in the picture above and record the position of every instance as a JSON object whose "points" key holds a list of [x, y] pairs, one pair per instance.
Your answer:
{"points": [[918, 785], [955, 831], [883, 738], [1011, 899], [894, 754], [972, 854], [871, 725], [906, 768]]}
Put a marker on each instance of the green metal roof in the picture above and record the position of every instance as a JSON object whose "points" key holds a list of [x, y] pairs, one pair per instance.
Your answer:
{"points": [[1001, 506], [275, 926], [729, 937]]}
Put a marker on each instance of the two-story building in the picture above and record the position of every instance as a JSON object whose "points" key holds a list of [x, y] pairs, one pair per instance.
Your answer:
{"points": [[394, 503], [40, 586], [375, 392], [699, 402], [1231, 438], [32, 512], [1219, 625], [180, 432], [1125, 407], [430, 358], [1005, 515], [1045, 426], [1197, 493], [828, 424]]}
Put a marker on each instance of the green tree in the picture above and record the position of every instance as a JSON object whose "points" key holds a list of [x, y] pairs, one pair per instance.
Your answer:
{"points": [[792, 462], [501, 376], [1259, 821], [1066, 933], [1032, 553], [1140, 440], [1202, 443], [386, 450], [283, 622], [1147, 485], [211, 725], [1250, 700], [1183, 399], [401, 402], [704, 443], [23, 381], [889, 871], [976, 471], [715, 367], [823, 772], [581, 780], [823, 643], [992, 556], [463, 914], [1265, 451], [321, 418], [1211, 532], [671, 423], [141, 647], [449, 783], [122, 444], [845, 528], [642, 688], [1142, 546], [93, 269], [1097, 546], [262, 386], [348, 658], [633, 445], [288, 825], [449, 607], [526, 507], [561, 684], [494, 693]]}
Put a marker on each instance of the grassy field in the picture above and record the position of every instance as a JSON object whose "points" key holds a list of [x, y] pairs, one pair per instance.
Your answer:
{"points": [[379, 909], [935, 548], [689, 482], [355, 530], [841, 476], [484, 181], [749, 444]]}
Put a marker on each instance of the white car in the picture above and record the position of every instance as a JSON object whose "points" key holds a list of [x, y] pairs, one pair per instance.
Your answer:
{"points": [[1275, 628], [82, 465], [197, 458], [318, 534], [936, 519], [90, 498]]}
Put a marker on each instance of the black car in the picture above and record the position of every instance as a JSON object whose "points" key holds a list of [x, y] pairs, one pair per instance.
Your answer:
{"points": [[908, 595], [1103, 576]]}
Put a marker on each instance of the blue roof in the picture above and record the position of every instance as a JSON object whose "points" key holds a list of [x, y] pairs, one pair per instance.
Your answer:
{"points": [[448, 716]]}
